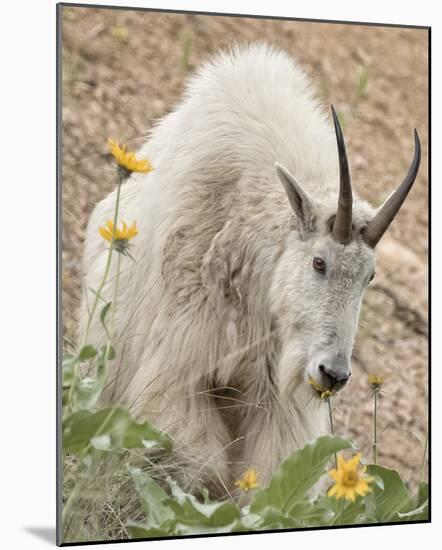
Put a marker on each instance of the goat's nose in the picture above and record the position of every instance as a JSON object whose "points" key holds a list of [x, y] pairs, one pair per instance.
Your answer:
{"points": [[333, 379]]}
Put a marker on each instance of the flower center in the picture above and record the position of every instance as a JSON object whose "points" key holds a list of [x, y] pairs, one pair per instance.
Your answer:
{"points": [[350, 479]]}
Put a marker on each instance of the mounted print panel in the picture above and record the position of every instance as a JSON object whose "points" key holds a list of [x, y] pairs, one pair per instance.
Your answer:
{"points": [[244, 254]]}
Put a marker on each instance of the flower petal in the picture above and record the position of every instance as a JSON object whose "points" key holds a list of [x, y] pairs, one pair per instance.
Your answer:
{"points": [[341, 462], [334, 474], [354, 461]]}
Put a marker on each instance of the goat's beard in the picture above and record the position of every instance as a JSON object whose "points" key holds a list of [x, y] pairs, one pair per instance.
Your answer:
{"points": [[292, 372]]}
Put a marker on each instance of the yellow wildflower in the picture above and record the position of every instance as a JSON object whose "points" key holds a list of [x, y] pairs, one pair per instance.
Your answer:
{"points": [[376, 380], [121, 236], [324, 393], [349, 479], [248, 481], [120, 33], [127, 160]]}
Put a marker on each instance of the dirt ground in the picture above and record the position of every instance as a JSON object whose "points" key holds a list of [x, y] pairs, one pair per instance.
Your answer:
{"points": [[124, 69]]}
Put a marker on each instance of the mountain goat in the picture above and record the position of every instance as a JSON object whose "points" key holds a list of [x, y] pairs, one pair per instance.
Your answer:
{"points": [[242, 289]]}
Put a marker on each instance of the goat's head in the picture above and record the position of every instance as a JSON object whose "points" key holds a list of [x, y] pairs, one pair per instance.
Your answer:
{"points": [[319, 281]]}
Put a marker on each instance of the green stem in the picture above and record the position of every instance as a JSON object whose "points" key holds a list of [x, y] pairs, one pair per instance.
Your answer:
{"points": [[341, 519], [332, 429], [114, 299], [110, 335], [106, 269], [98, 293], [375, 428]]}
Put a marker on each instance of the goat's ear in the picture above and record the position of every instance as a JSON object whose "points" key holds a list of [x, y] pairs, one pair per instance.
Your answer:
{"points": [[301, 203]]}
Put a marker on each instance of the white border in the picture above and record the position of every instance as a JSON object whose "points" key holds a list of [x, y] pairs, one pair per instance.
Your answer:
{"points": [[27, 277]]}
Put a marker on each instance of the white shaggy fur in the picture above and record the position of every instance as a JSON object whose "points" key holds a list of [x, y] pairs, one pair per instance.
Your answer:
{"points": [[221, 319]]}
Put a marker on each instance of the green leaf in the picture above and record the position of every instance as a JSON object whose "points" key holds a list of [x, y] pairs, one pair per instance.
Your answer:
{"points": [[145, 435], [68, 369], [422, 494], [379, 482], [81, 430], [272, 518], [421, 511], [103, 313], [138, 530], [393, 498], [87, 352], [205, 494], [156, 503], [89, 388], [418, 514], [212, 513], [339, 511], [181, 513], [311, 514], [110, 354], [298, 474]]}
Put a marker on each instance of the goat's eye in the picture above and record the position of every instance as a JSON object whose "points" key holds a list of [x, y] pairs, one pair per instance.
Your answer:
{"points": [[372, 277], [319, 265]]}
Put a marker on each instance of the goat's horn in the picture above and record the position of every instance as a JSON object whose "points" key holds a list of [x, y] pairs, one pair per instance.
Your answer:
{"points": [[379, 224], [342, 225]]}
